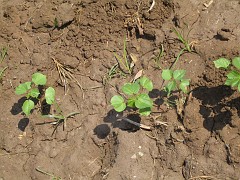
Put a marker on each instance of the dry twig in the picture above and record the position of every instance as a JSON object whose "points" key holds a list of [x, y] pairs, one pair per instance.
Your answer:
{"points": [[66, 73]]}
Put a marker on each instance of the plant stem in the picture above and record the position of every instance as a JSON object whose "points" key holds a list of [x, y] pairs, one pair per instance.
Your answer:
{"points": [[44, 172], [178, 56], [137, 124]]}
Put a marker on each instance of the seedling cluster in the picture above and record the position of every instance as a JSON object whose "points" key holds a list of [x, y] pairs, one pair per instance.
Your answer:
{"points": [[31, 90], [233, 77], [175, 80], [136, 97]]}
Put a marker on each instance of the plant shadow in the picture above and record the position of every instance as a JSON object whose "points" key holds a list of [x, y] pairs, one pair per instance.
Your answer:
{"points": [[23, 123], [213, 107], [102, 131], [115, 119], [17, 107]]}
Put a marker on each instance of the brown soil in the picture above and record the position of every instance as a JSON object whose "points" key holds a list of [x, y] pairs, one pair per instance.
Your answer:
{"points": [[200, 142]]}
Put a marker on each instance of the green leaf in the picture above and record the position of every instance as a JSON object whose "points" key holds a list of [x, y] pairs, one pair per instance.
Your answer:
{"points": [[233, 74], [28, 105], [131, 88], [221, 63], [235, 82], [236, 62], [145, 111], [184, 85], [239, 87], [167, 74], [178, 74], [39, 79], [146, 83], [23, 88], [118, 103], [171, 86], [143, 101], [232, 82], [228, 82], [131, 102], [34, 93], [50, 95]]}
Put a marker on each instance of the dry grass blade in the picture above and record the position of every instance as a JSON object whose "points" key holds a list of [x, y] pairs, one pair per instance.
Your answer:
{"points": [[65, 74]]}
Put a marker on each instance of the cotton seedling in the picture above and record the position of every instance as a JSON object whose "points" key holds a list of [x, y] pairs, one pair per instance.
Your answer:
{"points": [[32, 91], [176, 80], [233, 77], [135, 97]]}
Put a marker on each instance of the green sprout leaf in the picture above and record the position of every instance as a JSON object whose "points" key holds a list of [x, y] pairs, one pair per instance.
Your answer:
{"points": [[146, 83], [23, 88], [118, 103], [236, 62], [131, 88], [143, 101], [131, 102], [39, 79], [229, 82], [33, 93], [184, 85], [233, 75], [145, 111], [167, 74], [232, 82], [28, 105], [171, 86], [178, 74], [221, 63], [50, 95]]}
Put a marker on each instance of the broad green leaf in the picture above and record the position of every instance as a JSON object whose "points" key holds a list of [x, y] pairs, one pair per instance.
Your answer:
{"points": [[118, 103], [178, 74], [131, 102], [50, 95], [171, 86], [236, 62], [28, 105], [235, 82], [221, 63], [233, 75], [131, 88], [184, 85], [146, 83], [23, 88], [145, 111], [167, 74], [232, 82], [239, 87], [39, 79], [34, 93], [143, 101], [228, 82]]}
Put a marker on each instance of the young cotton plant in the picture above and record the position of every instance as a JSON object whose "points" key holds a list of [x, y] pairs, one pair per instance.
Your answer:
{"points": [[31, 91], [175, 80], [135, 97], [233, 77]]}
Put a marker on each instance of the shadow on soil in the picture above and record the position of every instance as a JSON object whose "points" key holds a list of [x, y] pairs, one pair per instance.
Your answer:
{"points": [[23, 123], [214, 109], [17, 107], [114, 118]]}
